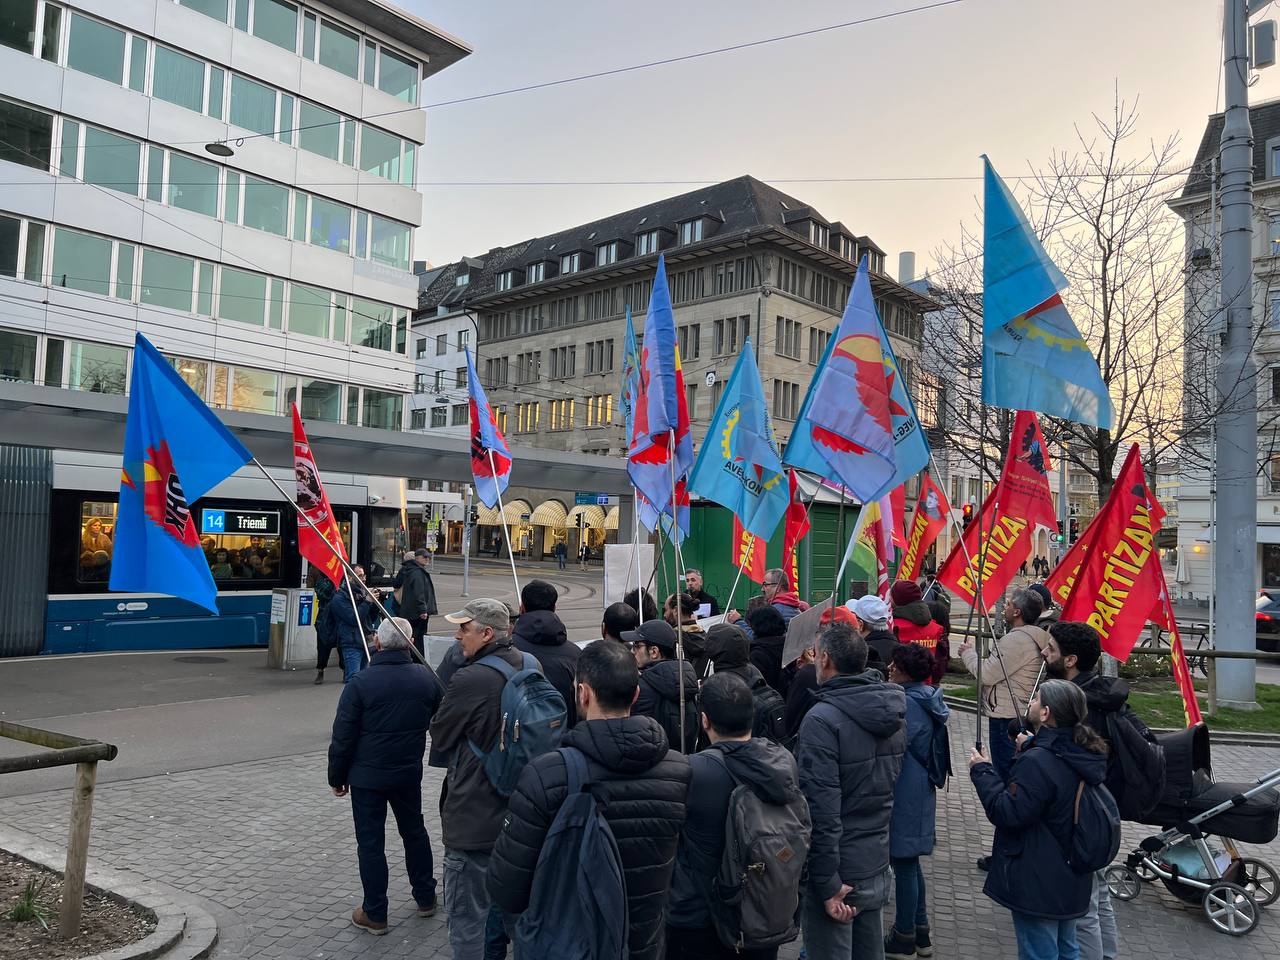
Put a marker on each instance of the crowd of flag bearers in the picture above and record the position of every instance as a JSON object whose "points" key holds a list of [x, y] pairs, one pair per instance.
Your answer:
{"points": [[670, 791]]}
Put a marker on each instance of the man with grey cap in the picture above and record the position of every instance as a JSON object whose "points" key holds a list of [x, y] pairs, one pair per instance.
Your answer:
{"points": [[417, 595], [873, 626], [653, 644], [472, 810]]}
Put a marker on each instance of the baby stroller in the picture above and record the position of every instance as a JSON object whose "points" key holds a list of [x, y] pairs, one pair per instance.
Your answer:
{"points": [[1196, 856]]}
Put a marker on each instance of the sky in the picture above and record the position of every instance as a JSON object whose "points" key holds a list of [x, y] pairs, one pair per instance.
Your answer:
{"points": [[919, 95]]}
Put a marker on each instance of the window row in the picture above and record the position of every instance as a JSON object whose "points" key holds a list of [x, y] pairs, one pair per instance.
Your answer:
{"points": [[118, 56], [70, 148], [60, 257], [104, 368]]}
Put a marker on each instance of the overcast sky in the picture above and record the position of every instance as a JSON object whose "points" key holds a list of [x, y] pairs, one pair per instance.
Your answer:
{"points": [[921, 95]]}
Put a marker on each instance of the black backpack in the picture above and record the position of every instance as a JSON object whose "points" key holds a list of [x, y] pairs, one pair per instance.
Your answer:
{"points": [[937, 762], [1095, 829], [1136, 773], [771, 714]]}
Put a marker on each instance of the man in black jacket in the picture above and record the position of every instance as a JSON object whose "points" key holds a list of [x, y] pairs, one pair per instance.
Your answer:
{"points": [[873, 624], [540, 632], [351, 627], [729, 650], [653, 644], [418, 595], [618, 619], [728, 713], [695, 587], [850, 753], [472, 809], [379, 735], [640, 782]]}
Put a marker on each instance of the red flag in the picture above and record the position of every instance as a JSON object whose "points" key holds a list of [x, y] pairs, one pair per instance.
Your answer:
{"points": [[748, 552], [929, 519], [314, 503], [1008, 543], [1181, 669], [1024, 482], [898, 501], [794, 528]]}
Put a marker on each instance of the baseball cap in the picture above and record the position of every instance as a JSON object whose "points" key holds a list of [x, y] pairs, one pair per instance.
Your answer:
{"points": [[484, 611], [838, 615], [653, 633], [422, 552], [871, 609]]}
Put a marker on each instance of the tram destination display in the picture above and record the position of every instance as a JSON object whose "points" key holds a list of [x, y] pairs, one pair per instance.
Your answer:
{"points": [[262, 523]]}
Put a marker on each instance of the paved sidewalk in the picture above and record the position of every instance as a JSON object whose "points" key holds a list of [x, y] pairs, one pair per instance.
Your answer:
{"points": [[273, 851]]}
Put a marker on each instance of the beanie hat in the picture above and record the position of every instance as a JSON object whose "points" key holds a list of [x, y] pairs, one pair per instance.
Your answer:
{"points": [[904, 592]]}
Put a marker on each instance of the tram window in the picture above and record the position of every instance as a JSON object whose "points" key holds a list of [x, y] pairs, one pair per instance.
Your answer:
{"points": [[97, 536], [388, 545], [235, 556]]}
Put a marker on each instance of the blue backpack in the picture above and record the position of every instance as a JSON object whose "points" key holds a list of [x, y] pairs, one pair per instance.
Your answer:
{"points": [[578, 906], [533, 720]]}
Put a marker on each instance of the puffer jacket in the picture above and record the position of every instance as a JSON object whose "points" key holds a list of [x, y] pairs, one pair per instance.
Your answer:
{"points": [[1020, 658], [1033, 818], [348, 625], [770, 772], [914, 623], [660, 699], [766, 655], [850, 753], [641, 785], [915, 801], [880, 647], [541, 633]]}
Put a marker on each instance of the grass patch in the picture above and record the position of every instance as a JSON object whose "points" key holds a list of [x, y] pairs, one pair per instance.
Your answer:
{"points": [[1159, 704]]}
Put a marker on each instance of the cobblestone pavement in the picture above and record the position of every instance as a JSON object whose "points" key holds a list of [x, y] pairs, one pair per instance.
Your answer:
{"points": [[273, 852]]}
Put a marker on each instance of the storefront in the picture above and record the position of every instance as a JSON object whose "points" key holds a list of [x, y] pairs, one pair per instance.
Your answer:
{"points": [[548, 520]]}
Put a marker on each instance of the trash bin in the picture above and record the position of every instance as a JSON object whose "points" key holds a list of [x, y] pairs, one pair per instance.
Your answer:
{"points": [[291, 640]]}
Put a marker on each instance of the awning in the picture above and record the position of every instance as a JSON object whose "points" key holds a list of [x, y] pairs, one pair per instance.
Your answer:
{"points": [[591, 514], [488, 515], [611, 519], [516, 511], [549, 513]]}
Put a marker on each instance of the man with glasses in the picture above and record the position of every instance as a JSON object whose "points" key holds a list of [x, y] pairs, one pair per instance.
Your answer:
{"points": [[653, 644], [778, 594]]}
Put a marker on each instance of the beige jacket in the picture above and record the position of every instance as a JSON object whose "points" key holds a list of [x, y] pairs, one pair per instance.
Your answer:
{"points": [[1020, 658]]}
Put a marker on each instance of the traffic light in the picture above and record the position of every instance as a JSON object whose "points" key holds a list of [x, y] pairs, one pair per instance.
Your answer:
{"points": [[1075, 529], [475, 515], [967, 514], [1058, 537]]}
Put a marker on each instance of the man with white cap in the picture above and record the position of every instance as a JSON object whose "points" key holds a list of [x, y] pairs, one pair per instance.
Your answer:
{"points": [[873, 625]]}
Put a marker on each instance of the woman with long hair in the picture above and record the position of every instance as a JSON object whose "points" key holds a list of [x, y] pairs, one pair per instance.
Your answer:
{"points": [[1034, 814]]}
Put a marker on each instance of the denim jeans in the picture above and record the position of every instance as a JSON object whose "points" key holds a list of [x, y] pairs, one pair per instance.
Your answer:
{"points": [[863, 939], [908, 891], [369, 810], [1045, 939], [352, 661], [466, 901], [1001, 747], [1096, 930], [495, 934]]}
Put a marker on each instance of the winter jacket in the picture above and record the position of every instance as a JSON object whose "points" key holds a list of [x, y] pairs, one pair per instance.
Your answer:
{"points": [[324, 625], [802, 694], [452, 661], [1020, 656], [641, 785], [913, 623], [417, 593], [349, 626], [472, 810], [541, 633], [660, 699], [695, 646], [701, 596], [911, 829], [769, 770], [380, 731], [1033, 819], [850, 753], [880, 647], [766, 656]]}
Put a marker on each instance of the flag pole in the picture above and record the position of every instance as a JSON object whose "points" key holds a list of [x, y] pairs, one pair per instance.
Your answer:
{"points": [[751, 544], [502, 516], [635, 537], [350, 571], [355, 612], [675, 545], [835, 586]]}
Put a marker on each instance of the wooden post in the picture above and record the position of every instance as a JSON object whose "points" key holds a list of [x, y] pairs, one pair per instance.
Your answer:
{"points": [[77, 851], [1211, 677]]}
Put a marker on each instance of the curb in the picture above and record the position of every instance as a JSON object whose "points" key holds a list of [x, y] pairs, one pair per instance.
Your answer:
{"points": [[184, 929], [1228, 738]]}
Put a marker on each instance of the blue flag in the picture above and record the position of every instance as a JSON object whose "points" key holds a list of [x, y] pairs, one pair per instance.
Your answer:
{"points": [[1033, 357], [630, 385], [738, 466], [175, 451], [490, 458]]}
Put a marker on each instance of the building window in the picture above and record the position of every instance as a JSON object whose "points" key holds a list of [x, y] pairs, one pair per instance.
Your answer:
{"points": [[646, 243], [717, 391], [691, 399], [529, 367], [561, 417], [690, 341], [506, 280], [691, 231], [528, 416], [464, 338], [439, 416], [537, 272], [787, 338], [730, 332], [817, 344], [571, 263], [419, 383], [496, 372], [607, 253], [18, 355], [417, 421], [819, 234], [442, 344], [420, 349], [459, 415], [564, 361], [786, 400], [1274, 304], [438, 381], [26, 136], [600, 356], [460, 377], [462, 279], [600, 410]]}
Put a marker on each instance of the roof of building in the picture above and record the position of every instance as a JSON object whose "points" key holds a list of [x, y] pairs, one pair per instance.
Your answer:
{"points": [[440, 48], [736, 206], [1265, 120]]}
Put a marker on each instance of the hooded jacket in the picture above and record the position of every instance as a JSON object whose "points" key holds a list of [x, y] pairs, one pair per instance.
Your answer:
{"points": [[880, 647], [1033, 817], [769, 770], [417, 593], [914, 623], [541, 633], [1020, 659], [850, 753], [915, 801], [766, 656], [641, 785], [660, 699]]}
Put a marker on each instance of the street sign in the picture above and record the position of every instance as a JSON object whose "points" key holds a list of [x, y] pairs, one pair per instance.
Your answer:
{"points": [[591, 499]]}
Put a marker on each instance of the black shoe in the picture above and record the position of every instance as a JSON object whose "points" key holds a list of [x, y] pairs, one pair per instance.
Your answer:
{"points": [[899, 946], [984, 864], [924, 946], [319, 677]]}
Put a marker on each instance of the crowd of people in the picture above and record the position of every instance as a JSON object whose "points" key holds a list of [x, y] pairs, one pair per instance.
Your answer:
{"points": [[669, 791]]}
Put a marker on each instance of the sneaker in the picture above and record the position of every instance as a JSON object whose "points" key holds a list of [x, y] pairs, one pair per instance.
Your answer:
{"points": [[361, 919], [429, 910], [924, 946], [319, 678], [899, 946], [984, 864]]}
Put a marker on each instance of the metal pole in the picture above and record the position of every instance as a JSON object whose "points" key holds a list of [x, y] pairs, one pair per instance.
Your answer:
{"points": [[1213, 522], [840, 545], [466, 545], [355, 612], [675, 550], [1064, 514], [751, 544], [506, 533], [1237, 421]]}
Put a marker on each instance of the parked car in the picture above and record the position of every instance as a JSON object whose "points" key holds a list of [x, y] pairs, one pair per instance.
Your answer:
{"points": [[1266, 618]]}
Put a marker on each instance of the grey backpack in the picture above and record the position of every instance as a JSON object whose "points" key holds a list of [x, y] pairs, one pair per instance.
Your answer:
{"points": [[755, 899]]}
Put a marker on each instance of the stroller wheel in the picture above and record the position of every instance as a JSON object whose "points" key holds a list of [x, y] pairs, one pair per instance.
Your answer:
{"points": [[1123, 883], [1260, 881], [1145, 872], [1230, 909]]}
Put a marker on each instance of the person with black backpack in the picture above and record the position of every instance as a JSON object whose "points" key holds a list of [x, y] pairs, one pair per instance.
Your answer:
{"points": [[589, 869], [653, 644], [925, 768], [1055, 822], [729, 651], [745, 808], [1135, 760]]}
